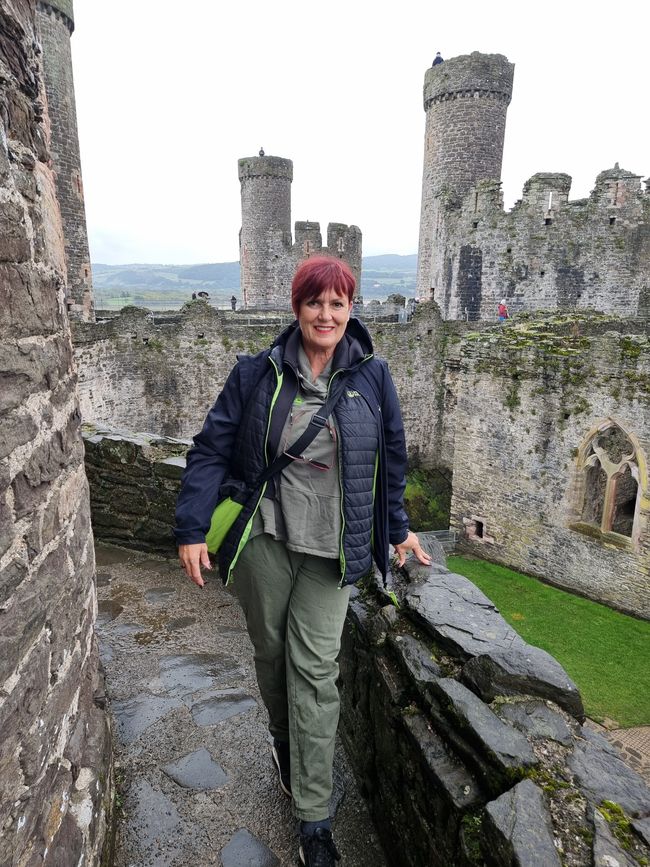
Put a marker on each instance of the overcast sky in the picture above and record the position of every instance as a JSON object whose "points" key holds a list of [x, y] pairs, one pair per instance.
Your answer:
{"points": [[170, 94]]}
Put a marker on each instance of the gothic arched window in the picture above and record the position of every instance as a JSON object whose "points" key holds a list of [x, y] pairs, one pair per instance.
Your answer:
{"points": [[611, 481]]}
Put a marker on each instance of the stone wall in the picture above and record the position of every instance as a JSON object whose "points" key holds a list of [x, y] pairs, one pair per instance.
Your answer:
{"points": [[268, 255], [134, 482], [547, 253], [535, 396], [162, 375], [54, 748], [469, 743], [507, 411], [55, 25]]}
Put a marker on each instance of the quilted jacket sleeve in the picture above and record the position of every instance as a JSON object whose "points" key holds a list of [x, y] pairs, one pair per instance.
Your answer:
{"points": [[398, 523], [208, 462]]}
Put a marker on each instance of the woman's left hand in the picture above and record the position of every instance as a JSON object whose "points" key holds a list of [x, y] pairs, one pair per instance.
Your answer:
{"points": [[411, 543]]}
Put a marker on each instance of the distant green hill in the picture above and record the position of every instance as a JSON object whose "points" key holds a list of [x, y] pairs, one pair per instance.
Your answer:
{"points": [[384, 275], [167, 286]]}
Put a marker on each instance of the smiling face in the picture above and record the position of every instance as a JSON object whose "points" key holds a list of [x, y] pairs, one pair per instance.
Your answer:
{"points": [[323, 321]]}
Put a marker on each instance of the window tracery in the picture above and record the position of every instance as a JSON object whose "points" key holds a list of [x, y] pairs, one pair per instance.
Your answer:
{"points": [[611, 465]]}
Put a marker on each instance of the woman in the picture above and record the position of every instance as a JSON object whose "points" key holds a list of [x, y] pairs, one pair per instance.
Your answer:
{"points": [[311, 530]]}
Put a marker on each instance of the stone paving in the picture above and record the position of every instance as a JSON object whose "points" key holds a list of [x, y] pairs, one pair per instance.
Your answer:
{"points": [[196, 781], [634, 745]]}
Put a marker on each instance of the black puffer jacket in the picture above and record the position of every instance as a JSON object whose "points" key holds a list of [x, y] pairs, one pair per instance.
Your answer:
{"points": [[242, 432]]}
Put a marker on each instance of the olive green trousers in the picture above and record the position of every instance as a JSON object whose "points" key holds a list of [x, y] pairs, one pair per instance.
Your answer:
{"points": [[295, 612]]}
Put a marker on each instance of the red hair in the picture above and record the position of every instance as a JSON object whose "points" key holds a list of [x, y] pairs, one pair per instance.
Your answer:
{"points": [[317, 274]]}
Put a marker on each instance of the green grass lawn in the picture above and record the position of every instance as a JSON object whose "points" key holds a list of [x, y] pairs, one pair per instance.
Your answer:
{"points": [[606, 653]]}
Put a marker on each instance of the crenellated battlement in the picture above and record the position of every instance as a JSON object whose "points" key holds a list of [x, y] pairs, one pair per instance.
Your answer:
{"points": [[62, 9], [547, 252]]}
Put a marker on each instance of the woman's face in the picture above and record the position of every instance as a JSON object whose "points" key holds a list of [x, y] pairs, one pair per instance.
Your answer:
{"points": [[323, 320]]}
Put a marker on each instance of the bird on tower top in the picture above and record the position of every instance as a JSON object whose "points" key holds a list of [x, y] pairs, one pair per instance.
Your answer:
{"points": [[437, 59]]}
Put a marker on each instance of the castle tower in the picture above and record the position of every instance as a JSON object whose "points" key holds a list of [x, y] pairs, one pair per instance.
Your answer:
{"points": [[55, 23], [465, 99], [265, 235]]}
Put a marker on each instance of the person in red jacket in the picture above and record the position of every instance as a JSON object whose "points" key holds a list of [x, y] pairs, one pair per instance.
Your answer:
{"points": [[503, 311]]}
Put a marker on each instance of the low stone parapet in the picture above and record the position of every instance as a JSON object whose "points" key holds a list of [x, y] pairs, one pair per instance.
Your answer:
{"points": [[134, 481], [470, 743]]}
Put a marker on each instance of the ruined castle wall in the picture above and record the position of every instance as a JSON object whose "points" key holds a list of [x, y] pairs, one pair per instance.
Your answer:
{"points": [[548, 253], [54, 770], [530, 398], [55, 23], [137, 375]]}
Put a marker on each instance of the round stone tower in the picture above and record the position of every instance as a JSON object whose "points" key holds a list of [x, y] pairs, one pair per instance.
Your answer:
{"points": [[55, 22], [465, 99], [265, 235]]}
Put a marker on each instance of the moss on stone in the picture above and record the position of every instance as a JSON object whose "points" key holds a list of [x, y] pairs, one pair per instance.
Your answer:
{"points": [[618, 822], [472, 834]]}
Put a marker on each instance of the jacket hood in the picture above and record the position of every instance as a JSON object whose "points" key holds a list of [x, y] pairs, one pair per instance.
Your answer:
{"points": [[355, 345]]}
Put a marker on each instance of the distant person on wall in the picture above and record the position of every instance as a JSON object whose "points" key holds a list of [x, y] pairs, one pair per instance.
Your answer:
{"points": [[233, 303], [503, 311], [437, 59], [306, 439]]}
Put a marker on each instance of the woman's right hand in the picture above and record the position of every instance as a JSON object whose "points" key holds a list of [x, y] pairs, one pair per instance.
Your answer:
{"points": [[192, 557]]}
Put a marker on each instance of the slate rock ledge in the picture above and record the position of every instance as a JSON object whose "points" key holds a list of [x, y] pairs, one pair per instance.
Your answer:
{"points": [[468, 742]]}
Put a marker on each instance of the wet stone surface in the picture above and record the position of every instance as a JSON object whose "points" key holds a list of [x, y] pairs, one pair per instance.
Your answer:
{"points": [[180, 623], [160, 595], [244, 849], [188, 673], [157, 823], [197, 770], [103, 579], [192, 743], [220, 706], [107, 610], [136, 715]]}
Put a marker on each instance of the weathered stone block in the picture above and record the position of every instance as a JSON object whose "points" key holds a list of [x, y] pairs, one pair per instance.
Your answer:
{"points": [[462, 618], [502, 745], [443, 772], [14, 240], [523, 670], [603, 775], [25, 368], [416, 660], [536, 720], [519, 829], [18, 428], [607, 851], [11, 577]]}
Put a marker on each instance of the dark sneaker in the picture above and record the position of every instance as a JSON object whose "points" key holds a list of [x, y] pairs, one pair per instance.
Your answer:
{"points": [[282, 761], [318, 849]]}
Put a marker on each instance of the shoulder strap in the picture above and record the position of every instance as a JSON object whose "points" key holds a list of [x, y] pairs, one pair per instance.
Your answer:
{"points": [[316, 423]]}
